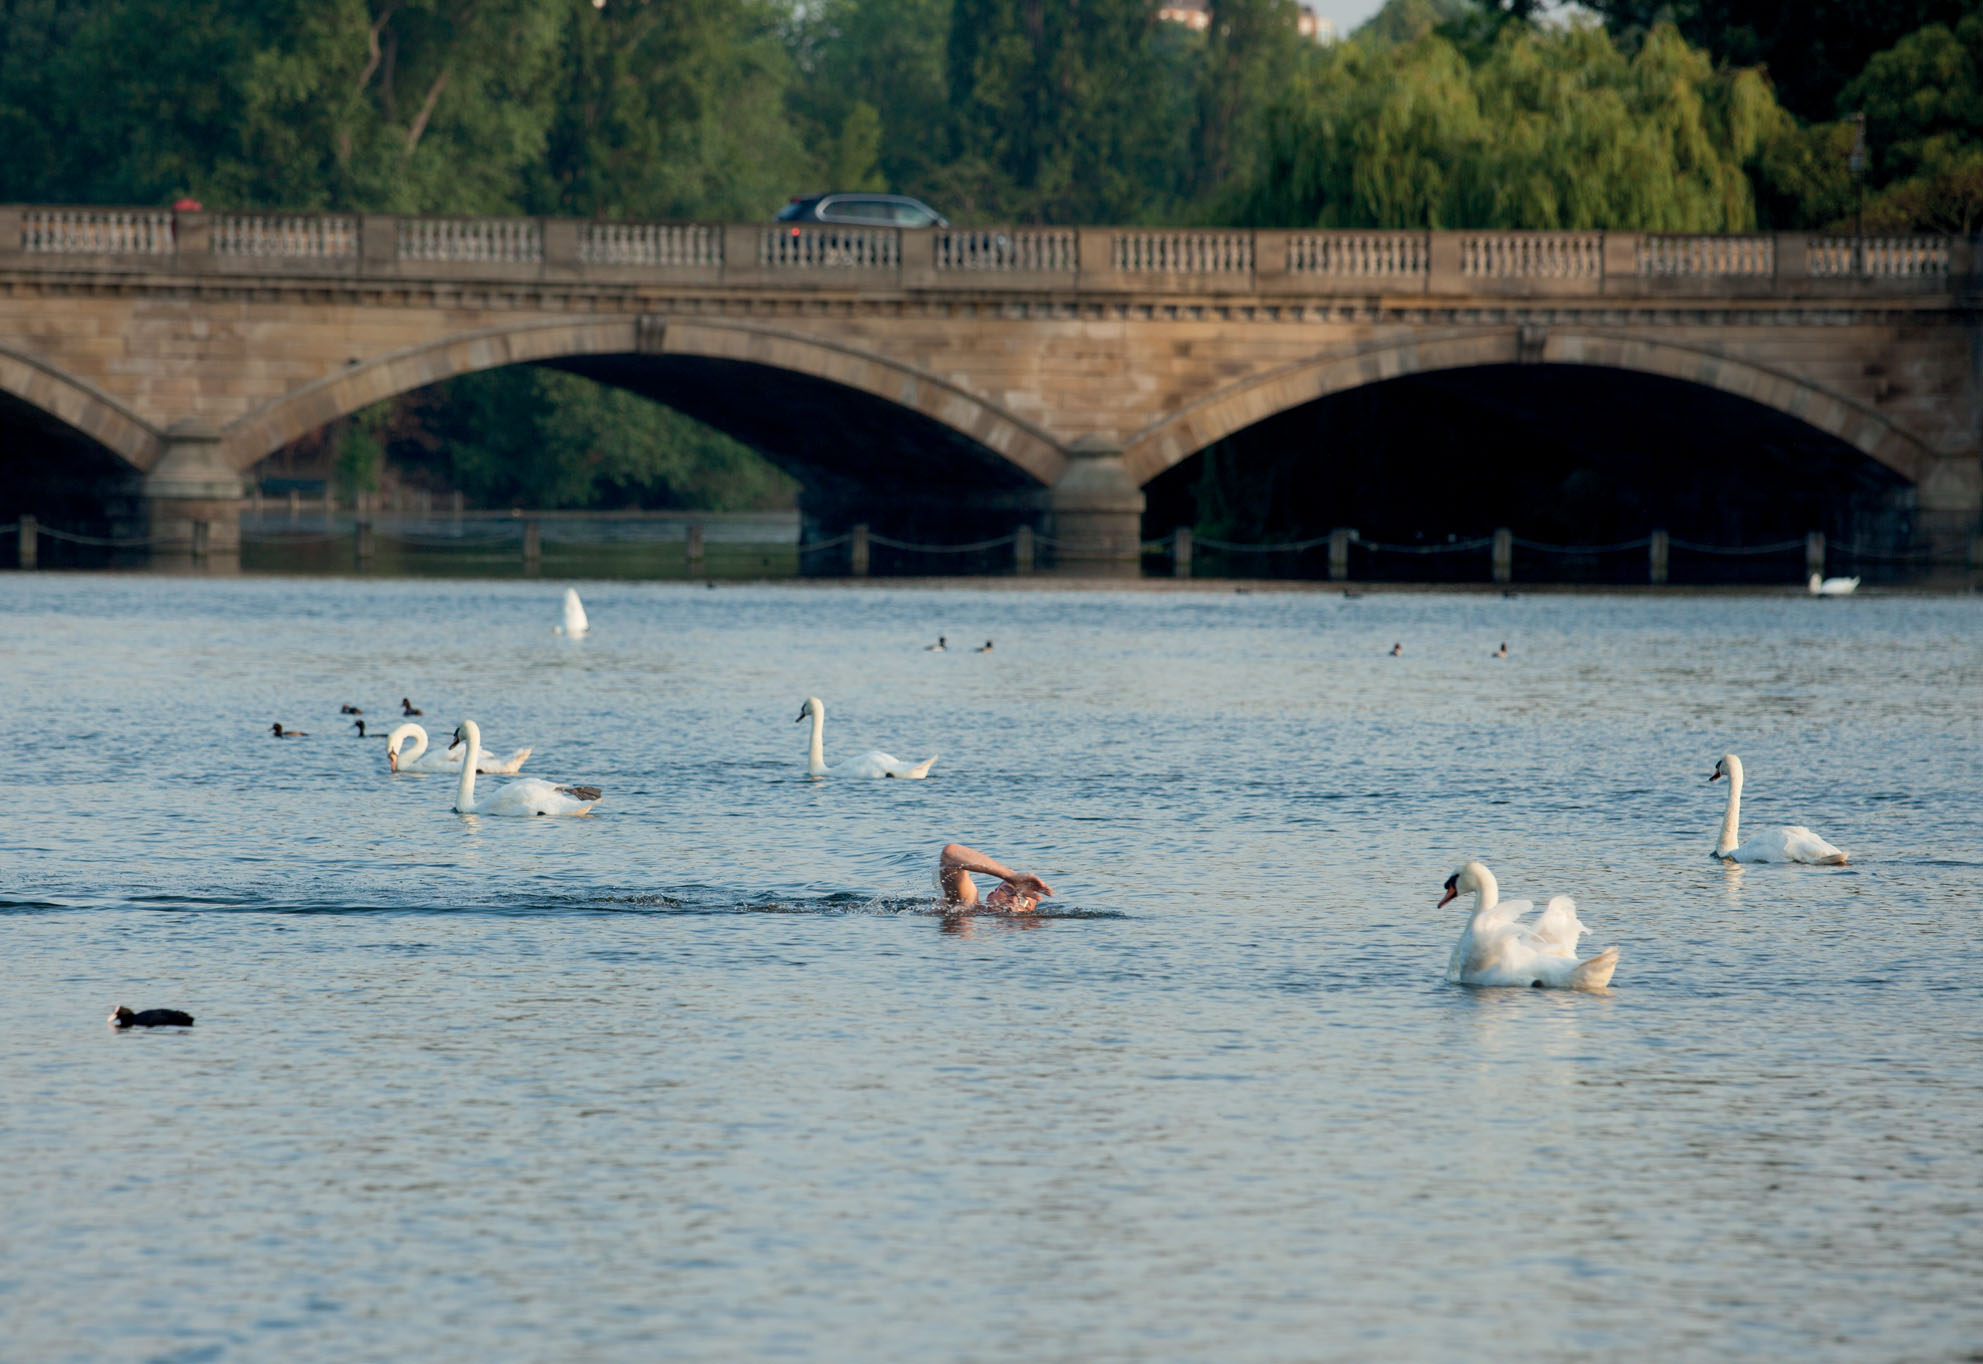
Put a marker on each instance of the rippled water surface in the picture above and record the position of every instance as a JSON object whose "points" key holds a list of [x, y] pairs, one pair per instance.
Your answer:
{"points": [[703, 1076]]}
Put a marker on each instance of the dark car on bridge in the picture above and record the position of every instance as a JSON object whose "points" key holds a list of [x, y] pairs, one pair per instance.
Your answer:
{"points": [[862, 210]]}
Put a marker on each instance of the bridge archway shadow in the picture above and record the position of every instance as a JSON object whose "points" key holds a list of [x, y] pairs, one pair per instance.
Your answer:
{"points": [[1560, 454], [52, 471], [858, 457]]}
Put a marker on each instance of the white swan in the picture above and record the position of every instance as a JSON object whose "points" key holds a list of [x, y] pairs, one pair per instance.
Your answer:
{"points": [[1833, 587], [1788, 843], [1497, 950], [575, 621], [419, 760], [531, 796], [874, 764]]}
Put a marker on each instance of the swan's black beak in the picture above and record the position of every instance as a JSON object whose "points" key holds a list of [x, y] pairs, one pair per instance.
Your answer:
{"points": [[802, 716], [1452, 892], [1715, 775]]}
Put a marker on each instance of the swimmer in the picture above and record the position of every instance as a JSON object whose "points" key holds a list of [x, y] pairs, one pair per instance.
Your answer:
{"points": [[1016, 893]]}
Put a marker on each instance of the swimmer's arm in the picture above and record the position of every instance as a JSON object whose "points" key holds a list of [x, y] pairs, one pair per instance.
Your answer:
{"points": [[958, 858]]}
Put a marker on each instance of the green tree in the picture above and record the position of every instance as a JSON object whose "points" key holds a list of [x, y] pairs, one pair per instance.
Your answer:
{"points": [[542, 438], [1811, 49], [1251, 49], [891, 56], [1555, 128], [1060, 112]]}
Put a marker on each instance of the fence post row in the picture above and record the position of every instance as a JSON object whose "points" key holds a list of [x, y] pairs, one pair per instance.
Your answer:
{"points": [[1022, 550], [693, 547], [533, 546], [1658, 551], [1504, 555], [1181, 552], [857, 551], [29, 548]]}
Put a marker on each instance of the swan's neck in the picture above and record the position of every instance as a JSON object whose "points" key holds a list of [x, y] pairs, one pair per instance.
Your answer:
{"points": [[1731, 818], [464, 792], [416, 746], [816, 751], [1489, 894]]}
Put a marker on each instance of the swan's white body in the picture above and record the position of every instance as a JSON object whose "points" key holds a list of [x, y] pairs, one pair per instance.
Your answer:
{"points": [[531, 796], [1497, 949], [871, 764], [575, 622], [1786, 843], [1833, 587], [418, 760]]}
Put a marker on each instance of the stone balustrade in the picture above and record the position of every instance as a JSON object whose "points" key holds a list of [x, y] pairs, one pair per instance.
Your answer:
{"points": [[1089, 259]]}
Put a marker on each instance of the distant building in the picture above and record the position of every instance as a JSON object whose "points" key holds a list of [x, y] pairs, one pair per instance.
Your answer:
{"points": [[1196, 15]]}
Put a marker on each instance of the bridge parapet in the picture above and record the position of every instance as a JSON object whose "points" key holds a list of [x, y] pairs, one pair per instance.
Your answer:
{"points": [[1091, 260]]}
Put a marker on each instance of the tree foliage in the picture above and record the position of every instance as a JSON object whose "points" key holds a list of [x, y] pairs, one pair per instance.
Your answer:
{"points": [[1555, 128]]}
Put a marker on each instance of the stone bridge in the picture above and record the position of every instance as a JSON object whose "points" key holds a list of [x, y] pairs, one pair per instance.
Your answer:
{"points": [[1032, 375]]}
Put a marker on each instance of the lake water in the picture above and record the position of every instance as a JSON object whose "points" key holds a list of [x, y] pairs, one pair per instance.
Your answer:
{"points": [[705, 1077]]}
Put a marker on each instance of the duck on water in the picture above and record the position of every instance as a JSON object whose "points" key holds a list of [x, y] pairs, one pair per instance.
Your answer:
{"points": [[122, 1017]]}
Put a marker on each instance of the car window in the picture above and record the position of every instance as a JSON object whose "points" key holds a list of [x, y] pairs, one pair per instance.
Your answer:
{"points": [[796, 209], [911, 215], [855, 211]]}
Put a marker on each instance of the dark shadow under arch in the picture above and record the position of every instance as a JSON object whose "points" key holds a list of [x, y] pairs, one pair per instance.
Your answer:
{"points": [[1560, 454]]}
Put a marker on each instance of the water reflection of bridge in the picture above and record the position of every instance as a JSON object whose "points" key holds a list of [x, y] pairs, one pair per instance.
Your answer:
{"points": [[1037, 377]]}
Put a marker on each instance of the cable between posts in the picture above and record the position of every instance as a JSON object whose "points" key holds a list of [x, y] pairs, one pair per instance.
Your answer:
{"points": [[1779, 547], [1642, 542], [101, 543], [971, 548]]}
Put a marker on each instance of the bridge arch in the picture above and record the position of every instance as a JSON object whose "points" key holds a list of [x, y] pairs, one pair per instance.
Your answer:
{"points": [[572, 341], [1180, 435], [81, 407]]}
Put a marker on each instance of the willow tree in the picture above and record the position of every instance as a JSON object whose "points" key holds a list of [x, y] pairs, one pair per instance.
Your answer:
{"points": [[1554, 128]]}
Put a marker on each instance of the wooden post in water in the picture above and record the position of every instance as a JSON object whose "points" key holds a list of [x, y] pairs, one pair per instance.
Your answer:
{"points": [[457, 511], [30, 547], [1339, 553], [361, 543], [695, 548], [857, 551], [1814, 554], [1022, 550], [295, 506], [202, 538], [533, 547], [1657, 552], [1504, 555], [1181, 552]]}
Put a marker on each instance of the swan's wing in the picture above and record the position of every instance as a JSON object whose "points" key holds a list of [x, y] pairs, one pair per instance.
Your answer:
{"points": [[915, 771], [1501, 917], [1801, 845], [870, 764], [1559, 928], [490, 765]]}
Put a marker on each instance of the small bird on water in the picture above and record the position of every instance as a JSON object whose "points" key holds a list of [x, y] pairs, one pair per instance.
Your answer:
{"points": [[935, 648], [1502, 652], [985, 650], [360, 726], [1398, 650], [348, 709], [121, 1017], [406, 707], [281, 733]]}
